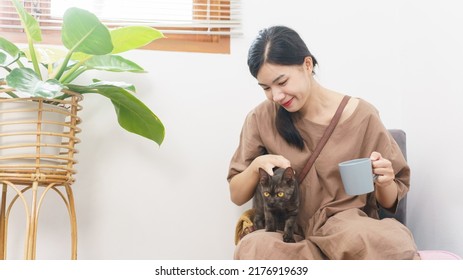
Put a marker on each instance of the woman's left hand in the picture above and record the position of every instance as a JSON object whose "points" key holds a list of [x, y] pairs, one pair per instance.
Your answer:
{"points": [[383, 169]]}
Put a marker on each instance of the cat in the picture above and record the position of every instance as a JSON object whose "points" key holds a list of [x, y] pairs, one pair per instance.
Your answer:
{"points": [[276, 202]]}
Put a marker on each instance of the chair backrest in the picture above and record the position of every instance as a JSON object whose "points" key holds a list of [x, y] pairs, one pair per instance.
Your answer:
{"points": [[401, 213]]}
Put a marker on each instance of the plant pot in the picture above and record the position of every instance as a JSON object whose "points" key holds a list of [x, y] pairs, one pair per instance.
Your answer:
{"points": [[25, 136], [36, 137]]}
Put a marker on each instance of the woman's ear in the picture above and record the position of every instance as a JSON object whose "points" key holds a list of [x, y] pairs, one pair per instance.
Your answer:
{"points": [[308, 63]]}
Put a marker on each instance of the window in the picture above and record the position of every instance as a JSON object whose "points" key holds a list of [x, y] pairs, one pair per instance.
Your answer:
{"points": [[189, 25]]}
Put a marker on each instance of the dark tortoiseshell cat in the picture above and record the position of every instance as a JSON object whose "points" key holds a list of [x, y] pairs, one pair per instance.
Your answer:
{"points": [[276, 202]]}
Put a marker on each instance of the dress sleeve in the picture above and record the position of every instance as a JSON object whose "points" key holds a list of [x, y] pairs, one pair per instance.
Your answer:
{"points": [[250, 146], [401, 169], [389, 149]]}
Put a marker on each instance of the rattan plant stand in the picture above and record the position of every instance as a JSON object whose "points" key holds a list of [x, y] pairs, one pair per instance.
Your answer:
{"points": [[37, 148]]}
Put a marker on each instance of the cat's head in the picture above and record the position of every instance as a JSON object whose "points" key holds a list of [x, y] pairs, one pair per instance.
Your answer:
{"points": [[278, 190]]}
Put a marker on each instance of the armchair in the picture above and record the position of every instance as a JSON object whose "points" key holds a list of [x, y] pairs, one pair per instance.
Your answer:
{"points": [[401, 213]]}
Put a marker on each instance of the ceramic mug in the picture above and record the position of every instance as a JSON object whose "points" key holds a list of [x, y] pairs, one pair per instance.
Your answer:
{"points": [[357, 176]]}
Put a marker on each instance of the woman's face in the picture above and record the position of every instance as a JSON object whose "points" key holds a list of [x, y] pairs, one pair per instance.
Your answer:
{"points": [[286, 85]]}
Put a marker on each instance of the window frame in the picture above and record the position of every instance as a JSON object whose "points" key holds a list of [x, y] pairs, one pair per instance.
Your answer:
{"points": [[172, 42]]}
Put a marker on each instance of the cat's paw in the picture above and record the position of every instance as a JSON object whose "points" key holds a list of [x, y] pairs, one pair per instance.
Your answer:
{"points": [[288, 239]]}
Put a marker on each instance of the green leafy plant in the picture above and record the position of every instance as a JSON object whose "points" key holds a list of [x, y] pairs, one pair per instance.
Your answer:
{"points": [[88, 45]]}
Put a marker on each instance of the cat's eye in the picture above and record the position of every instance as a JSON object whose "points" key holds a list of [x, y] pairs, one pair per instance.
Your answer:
{"points": [[266, 194], [281, 194]]}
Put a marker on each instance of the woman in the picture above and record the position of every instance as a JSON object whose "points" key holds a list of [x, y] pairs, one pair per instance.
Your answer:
{"points": [[284, 130]]}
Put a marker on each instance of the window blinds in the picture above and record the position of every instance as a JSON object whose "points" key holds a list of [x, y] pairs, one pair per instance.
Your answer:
{"points": [[191, 17]]}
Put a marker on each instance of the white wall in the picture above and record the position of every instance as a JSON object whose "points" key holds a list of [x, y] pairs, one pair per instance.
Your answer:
{"points": [[430, 75], [138, 201]]}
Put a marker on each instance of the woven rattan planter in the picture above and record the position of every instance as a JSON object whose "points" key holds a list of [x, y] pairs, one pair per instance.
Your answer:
{"points": [[37, 148], [37, 139]]}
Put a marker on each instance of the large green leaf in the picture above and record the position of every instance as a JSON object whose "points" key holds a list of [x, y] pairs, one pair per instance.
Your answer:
{"points": [[25, 80], [132, 114], [30, 24], [83, 32], [8, 50], [114, 63], [133, 37]]}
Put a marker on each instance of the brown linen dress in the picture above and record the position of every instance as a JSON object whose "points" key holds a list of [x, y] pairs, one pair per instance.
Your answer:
{"points": [[333, 225]]}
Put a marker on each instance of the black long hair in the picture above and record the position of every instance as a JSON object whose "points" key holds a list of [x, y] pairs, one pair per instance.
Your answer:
{"points": [[283, 46]]}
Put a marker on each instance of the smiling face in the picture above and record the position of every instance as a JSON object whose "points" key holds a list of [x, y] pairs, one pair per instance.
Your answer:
{"points": [[287, 85]]}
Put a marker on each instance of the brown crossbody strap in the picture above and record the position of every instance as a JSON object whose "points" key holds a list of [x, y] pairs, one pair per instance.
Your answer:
{"points": [[324, 139]]}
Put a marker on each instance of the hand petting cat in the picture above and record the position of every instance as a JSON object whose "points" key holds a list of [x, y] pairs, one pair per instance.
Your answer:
{"points": [[269, 162]]}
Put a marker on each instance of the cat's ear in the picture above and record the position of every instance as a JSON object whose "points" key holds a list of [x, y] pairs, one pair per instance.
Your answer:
{"points": [[264, 177], [289, 174]]}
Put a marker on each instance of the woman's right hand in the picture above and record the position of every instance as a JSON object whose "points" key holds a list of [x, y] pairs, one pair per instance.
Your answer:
{"points": [[268, 162]]}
